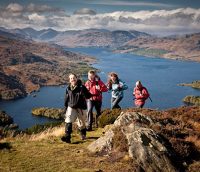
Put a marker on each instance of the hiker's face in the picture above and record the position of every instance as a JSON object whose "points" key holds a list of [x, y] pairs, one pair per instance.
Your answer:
{"points": [[72, 79], [113, 78], [91, 76], [139, 85]]}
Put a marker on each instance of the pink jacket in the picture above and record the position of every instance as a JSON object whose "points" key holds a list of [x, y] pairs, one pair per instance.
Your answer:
{"points": [[97, 94], [141, 94]]}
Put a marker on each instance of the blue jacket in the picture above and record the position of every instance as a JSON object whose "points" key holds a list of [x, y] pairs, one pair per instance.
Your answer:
{"points": [[118, 92]]}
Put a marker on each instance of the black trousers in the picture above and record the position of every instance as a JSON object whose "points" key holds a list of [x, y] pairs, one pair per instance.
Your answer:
{"points": [[90, 105]]}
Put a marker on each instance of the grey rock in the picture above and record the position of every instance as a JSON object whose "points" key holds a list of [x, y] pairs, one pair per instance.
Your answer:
{"points": [[145, 147]]}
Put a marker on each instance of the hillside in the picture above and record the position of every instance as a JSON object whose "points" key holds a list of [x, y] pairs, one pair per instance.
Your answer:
{"points": [[178, 47], [28, 65], [80, 38], [96, 38], [186, 47], [177, 127]]}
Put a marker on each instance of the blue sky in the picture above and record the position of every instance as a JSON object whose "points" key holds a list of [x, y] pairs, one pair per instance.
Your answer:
{"points": [[161, 17], [102, 6]]}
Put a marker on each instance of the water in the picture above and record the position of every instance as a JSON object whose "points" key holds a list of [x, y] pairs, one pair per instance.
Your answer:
{"points": [[20, 109], [160, 76]]}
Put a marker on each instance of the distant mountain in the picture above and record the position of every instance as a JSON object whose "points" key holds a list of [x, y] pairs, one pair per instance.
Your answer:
{"points": [[30, 33], [11, 35], [80, 38], [96, 38], [185, 47]]}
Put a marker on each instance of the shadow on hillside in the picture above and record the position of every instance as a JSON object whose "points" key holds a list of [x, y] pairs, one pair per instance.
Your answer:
{"points": [[5, 145], [88, 138], [77, 142], [92, 138]]}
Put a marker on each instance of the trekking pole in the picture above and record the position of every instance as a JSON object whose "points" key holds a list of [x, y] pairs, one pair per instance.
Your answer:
{"points": [[150, 99], [97, 84]]}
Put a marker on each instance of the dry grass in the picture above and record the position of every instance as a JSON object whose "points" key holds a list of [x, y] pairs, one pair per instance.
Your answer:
{"points": [[46, 152], [49, 133]]}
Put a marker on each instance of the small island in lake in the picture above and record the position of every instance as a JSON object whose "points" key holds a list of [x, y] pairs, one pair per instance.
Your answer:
{"points": [[194, 84], [194, 100], [55, 113]]}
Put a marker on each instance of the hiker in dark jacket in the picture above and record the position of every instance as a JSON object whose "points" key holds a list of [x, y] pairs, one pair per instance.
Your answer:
{"points": [[76, 108], [117, 86]]}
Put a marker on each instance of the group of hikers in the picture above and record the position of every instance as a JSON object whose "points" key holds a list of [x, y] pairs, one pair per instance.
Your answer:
{"points": [[80, 99]]}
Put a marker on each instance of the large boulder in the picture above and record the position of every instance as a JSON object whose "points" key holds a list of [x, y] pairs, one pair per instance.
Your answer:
{"points": [[147, 149]]}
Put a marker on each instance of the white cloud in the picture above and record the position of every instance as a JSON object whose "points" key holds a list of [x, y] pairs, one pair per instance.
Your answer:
{"points": [[85, 11], [36, 17], [162, 22], [14, 7]]}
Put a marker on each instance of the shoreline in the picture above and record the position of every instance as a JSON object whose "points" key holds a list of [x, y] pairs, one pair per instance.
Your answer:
{"points": [[161, 57]]}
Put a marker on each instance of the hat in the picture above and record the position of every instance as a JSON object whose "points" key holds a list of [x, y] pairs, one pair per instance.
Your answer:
{"points": [[138, 83]]}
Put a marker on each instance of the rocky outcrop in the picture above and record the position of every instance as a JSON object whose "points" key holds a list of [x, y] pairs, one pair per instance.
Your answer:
{"points": [[54, 113], [5, 119], [147, 149], [7, 127]]}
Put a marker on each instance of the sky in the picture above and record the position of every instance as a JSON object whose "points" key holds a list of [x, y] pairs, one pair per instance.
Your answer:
{"points": [[159, 17]]}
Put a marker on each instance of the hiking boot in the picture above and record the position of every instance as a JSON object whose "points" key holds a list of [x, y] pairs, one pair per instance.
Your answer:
{"points": [[89, 128], [68, 131], [83, 134], [66, 139]]}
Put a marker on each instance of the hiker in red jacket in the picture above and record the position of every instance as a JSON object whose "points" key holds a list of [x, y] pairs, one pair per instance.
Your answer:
{"points": [[95, 87], [141, 94]]}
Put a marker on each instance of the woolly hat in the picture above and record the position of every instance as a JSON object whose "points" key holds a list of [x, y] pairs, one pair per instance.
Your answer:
{"points": [[138, 83]]}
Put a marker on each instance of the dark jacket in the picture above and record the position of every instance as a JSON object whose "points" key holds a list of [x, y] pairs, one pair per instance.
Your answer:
{"points": [[76, 98]]}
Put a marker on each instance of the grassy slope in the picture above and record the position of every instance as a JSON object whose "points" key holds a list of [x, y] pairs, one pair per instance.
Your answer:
{"points": [[49, 153], [46, 152]]}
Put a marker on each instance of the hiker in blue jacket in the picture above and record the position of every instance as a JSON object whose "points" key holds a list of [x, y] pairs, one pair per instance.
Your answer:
{"points": [[117, 86]]}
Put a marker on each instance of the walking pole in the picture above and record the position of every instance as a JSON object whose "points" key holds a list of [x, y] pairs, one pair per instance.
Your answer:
{"points": [[150, 99], [97, 84]]}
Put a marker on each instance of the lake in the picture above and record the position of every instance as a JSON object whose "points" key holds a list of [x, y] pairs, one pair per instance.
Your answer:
{"points": [[159, 76]]}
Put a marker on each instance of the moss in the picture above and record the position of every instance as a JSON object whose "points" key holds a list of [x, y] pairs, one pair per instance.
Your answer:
{"points": [[108, 117]]}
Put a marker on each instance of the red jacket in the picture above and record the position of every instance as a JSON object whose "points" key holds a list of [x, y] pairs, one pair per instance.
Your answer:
{"points": [[97, 94], [141, 94]]}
